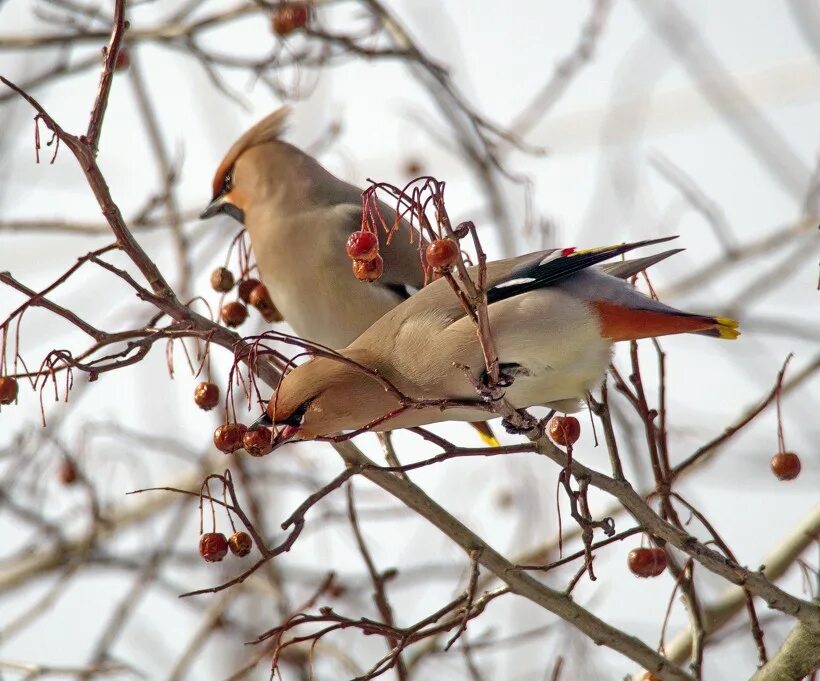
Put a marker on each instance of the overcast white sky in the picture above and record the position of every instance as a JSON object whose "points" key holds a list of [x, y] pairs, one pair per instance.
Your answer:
{"points": [[634, 103]]}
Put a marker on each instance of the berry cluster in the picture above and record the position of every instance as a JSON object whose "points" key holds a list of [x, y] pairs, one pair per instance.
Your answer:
{"points": [[363, 248], [251, 292], [213, 546], [231, 437]]}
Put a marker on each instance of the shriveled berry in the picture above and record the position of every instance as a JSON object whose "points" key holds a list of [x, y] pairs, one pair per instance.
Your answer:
{"points": [[240, 543], [213, 546], [289, 16], [362, 246], [261, 300], [368, 270], [258, 442], [67, 472], [645, 562], [565, 430], [786, 465], [245, 288], [206, 396], [228, 437], [442, 254], [222, 280], [8, 389], [234, 313]]}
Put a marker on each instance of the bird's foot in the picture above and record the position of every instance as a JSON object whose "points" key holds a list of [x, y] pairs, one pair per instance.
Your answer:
{"points": [[521, 424]]}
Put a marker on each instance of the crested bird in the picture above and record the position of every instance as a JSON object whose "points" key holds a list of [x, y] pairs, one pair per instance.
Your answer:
{"points": [[299, 216], [554, 317]]}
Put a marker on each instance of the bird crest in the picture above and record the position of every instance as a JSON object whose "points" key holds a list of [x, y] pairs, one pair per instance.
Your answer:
{"points": [[268, 129]]}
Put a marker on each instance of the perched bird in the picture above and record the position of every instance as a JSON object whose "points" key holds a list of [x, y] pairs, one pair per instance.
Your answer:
{"points": [[554, 317], [299, 217]]}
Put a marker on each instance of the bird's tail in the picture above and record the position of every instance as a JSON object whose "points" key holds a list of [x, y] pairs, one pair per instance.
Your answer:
{"points": [[485, 433], [620, 322], [721, 327]]}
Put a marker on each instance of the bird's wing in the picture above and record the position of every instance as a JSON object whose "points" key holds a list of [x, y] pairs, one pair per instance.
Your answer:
{"points": [[629, 268], [556, 266]]}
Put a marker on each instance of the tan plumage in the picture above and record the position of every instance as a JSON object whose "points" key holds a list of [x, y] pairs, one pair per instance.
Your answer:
{"points": [[549, 331], [299, 216]]}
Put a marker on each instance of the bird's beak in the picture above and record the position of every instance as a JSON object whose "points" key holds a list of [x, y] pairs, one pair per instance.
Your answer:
{"points": [[283, 434], [222, 204], [263, 421]]}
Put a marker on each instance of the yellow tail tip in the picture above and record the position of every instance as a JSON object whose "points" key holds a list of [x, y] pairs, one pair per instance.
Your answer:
{"points": [[726, 328], [485, 433], [489, 440]]}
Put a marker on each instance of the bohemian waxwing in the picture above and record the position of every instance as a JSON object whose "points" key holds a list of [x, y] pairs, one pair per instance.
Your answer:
{"points": [[553, 316], [299, 216]]}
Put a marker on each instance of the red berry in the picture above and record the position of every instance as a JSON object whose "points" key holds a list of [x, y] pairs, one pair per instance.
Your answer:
{"points": [[786, 465], [240, 543], [206, 396], [442, 254], [213, 546], [258, 442], [123, 61], [221, 280], [368, 270], [565, 430], [234, 313], [8, 389], [645, 562], [67, 473], [649, 676], [261, 300], [228, 437], [362, 246], [245, 288], [289, 16]]}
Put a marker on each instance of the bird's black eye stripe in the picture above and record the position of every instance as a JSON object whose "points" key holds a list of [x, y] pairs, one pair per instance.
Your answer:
{"points": [[295, 419]]}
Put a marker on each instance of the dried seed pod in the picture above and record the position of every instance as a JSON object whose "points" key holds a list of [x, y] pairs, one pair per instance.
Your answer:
{"points": [[245, 288], [786, 465], [362, 246], [222, 280], [234, 314], [213, 546], [261, 300], [240, 543], [442, 254], [8, 389], [258, 442], [206, 396], [228, 437], [368, 270], [565, 430]]}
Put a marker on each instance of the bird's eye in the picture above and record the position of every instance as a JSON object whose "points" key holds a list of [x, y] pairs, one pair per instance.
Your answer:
{"points": [[227, 182], [295, 419]]}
